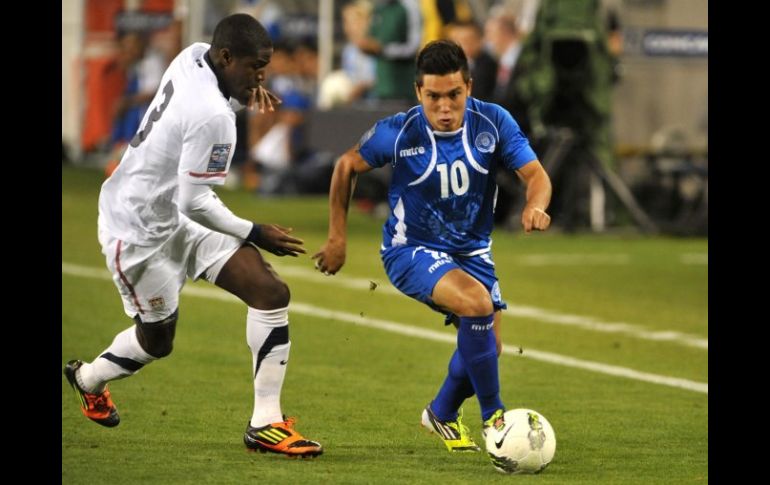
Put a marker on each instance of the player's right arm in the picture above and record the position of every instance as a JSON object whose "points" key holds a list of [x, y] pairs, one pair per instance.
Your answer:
{"points": [[331, 256]]}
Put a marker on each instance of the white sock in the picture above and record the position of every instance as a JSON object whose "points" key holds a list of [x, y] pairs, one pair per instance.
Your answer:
{"points": [[123, 358], [267, 333]]}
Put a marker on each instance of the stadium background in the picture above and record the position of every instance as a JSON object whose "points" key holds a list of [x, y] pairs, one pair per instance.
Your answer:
{"points": [[607, 334]]}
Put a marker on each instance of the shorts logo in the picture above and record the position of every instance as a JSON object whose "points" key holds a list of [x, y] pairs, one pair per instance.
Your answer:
{"points": [[157, 303], [485, 142], [441, 258], [218, 159], [441, 262]]}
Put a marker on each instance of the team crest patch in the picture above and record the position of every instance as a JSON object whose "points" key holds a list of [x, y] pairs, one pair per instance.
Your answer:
{"points": [[496, 296], [157, 303], [218, 159], [485, 142]]}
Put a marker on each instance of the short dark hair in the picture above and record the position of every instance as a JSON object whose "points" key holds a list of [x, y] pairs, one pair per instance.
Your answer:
{"points": [[242, 34], [441, 57]]}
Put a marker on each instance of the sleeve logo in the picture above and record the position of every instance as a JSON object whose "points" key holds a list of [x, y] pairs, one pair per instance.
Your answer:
{"points": [[218, 159], [367, 135]]}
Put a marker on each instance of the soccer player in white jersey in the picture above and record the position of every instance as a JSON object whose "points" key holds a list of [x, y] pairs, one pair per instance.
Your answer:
{"points": [[160, 222], [436, 244]]}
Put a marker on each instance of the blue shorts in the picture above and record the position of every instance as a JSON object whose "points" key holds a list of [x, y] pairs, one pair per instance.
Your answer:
{"points": [[415, 270]]}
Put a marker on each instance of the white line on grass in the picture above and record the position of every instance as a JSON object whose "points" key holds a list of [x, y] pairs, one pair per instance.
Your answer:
{"points": [[399, 328], [694, 258], [573, 259], [540, 314]]}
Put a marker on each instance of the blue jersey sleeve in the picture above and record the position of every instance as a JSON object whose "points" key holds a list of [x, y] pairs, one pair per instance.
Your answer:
{"points": [[514, 146], [377, 145]]}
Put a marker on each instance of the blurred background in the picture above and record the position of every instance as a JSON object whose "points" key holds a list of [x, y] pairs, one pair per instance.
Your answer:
{"points": [[612, 94]]}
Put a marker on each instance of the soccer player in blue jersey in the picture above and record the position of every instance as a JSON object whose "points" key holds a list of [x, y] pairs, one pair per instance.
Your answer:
{"points": [[436, 243]]}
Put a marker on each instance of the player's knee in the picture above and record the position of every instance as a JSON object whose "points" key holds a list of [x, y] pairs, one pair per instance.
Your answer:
{"points": [[157, 338], [270, 296], [475, 305], [278, 295]]}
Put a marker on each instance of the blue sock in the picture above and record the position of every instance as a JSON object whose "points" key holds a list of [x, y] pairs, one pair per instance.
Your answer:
{"points": [[476, 345], [457, 388]]}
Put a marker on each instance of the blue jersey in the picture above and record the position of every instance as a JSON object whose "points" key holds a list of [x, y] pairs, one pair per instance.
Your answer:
{"points": [[443, 190]]}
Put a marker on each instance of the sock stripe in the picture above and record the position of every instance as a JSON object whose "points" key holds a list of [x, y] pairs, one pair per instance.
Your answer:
{"points": [[124, 362], [277, 336]]}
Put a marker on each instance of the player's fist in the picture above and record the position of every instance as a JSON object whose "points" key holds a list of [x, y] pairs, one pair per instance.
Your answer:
{"points": [[535, 218], [330, 258]]}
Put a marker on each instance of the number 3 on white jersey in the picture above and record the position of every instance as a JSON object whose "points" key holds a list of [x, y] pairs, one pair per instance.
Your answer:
{"points": [[458, 176]]}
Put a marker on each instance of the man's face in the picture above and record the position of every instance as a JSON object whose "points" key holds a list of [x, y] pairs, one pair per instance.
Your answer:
{"points": [[443, 99], [245, 74], [467, 38]]}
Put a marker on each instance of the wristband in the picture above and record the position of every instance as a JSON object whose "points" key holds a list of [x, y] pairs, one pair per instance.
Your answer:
{"points": [[255, 235]]}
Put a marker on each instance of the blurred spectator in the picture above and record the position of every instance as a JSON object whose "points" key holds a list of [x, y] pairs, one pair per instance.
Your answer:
{"points": [[482, 65], [281, 161], [356, 77], [270, 133], [614, 43], [394, 37], [437, 15], [144, 68], [502, 37]]}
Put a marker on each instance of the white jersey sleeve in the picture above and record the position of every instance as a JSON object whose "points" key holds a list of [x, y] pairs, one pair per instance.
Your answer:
{"points": [[202, 205], [207, 150]]}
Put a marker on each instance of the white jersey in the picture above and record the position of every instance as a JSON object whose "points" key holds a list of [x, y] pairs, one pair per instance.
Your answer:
{"points": [[188, 133]]}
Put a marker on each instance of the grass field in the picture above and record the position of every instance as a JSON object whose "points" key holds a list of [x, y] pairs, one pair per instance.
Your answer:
{"points": [[607, 336]]}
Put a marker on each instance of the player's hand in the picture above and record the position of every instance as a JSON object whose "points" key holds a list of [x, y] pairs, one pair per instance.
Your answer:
{"points": [[263, 99], [276, 239], [534, 218], [330, 258]]}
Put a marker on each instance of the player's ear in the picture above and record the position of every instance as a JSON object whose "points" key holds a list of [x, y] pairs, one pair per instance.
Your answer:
{"points": [[225, 55]]}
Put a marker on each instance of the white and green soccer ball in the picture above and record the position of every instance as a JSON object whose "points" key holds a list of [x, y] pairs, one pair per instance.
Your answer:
{"points": [[526, 444]]}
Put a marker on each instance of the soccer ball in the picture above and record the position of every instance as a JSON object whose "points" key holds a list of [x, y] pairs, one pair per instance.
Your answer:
{"points": [[335, 90], [526, 444]]}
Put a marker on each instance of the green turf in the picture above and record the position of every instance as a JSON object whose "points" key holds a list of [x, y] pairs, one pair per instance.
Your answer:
{"points": [[360, 391]]}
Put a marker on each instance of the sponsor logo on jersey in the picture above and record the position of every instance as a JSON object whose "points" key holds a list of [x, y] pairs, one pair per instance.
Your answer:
{"points": [[218, 159], [485, 142], [409, 152]]}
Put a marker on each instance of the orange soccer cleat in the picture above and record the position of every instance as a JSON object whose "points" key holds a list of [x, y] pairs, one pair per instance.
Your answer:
{"points": [[280, 438], [96, 407]]}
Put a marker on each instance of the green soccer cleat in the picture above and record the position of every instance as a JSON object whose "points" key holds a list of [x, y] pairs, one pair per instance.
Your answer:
{"points": [[455, 434], [497, 420]]}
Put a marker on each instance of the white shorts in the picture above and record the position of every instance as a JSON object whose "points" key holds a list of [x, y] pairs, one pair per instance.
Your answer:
{"points": [[150, 278]]}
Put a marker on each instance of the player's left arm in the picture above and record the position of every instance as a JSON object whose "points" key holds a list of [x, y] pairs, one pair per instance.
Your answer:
{"points": [[534, 215]]}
